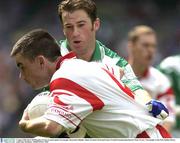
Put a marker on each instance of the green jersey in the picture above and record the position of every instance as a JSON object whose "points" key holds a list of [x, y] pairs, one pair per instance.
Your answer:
{"points": [[171, 67], [107, 56]]}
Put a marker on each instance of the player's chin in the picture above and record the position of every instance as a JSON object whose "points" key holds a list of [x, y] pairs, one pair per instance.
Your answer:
{"points": [[35, 87]]}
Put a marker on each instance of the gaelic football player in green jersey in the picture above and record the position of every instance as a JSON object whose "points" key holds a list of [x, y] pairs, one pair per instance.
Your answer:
{"points": [[80, 24], [171, 67]]}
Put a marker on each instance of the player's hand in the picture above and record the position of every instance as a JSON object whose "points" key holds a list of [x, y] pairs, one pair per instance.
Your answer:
{"points": [[25, 115], [157, 109]]}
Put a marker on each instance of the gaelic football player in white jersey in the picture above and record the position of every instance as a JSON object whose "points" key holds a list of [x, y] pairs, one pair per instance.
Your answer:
{"points": [[83, 94], [142, 44]]}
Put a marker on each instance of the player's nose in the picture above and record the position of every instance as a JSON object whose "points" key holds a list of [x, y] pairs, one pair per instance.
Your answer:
{"points": [[76, 32]]}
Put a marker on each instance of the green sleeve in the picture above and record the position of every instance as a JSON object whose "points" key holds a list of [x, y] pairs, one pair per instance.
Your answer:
{"points": [[129, 78]]}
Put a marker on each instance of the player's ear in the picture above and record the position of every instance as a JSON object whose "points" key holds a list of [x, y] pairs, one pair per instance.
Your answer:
{"points": [[96, 24], [129, 46], [64, 32], [40, 60]]}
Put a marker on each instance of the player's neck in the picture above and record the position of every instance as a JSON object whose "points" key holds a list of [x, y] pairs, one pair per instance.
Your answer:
{"points": [[87, 55], [138, 69]]}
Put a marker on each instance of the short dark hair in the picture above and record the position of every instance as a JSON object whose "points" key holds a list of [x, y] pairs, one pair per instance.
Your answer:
{"points": [[71, 5], [37, 42]]}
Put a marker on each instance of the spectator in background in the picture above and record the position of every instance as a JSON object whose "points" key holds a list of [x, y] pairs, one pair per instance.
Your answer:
{"points": [[171, 67], [142, 43]]}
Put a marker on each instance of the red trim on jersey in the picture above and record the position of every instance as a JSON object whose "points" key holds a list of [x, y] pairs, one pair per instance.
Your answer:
{"points": [[163, 132], [123, 88], [66, 110], [143, 135], [60, 93], [168, 92], [64, 116], [112, 70], [58, 101], [67, 56], [66, 84], [107, 66], [56, 98], [145, 74], [70, 112]]}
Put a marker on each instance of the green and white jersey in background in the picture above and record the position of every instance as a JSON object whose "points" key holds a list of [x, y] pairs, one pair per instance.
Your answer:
{"points": [[171, 67], [107, 56]]}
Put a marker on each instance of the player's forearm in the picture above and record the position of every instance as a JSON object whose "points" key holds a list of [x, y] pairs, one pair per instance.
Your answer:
{"points": [[41, 127], [142, 96]]}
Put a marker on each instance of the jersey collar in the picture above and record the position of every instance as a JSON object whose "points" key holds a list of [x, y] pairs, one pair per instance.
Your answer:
{"points": [[96, 56], [146, 73], [97, 53], [67, 56]]}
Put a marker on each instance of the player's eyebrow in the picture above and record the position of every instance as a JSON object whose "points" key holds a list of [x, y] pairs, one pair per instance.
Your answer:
{"points": [[81, 21]]}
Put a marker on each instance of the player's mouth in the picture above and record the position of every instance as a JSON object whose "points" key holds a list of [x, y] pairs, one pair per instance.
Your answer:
{"points": [[77, 42], [149, 57]]}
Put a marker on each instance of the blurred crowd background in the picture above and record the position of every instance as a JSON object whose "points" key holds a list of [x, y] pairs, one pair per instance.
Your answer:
{"points": [[117, 17]]}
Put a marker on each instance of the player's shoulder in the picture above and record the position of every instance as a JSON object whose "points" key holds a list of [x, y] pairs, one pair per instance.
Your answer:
{"points": [[155, 72], [158, 75], [72, 68], [170, 62], [72, 65], [112, 57]]}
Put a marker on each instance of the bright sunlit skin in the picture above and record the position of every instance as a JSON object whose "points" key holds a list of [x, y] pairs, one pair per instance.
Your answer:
{"points": [[80, 32], [40, 126]]}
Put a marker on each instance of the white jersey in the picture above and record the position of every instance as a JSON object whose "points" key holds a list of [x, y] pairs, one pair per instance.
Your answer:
{"points": [[159, 87], [105, 55], [85, 94]]}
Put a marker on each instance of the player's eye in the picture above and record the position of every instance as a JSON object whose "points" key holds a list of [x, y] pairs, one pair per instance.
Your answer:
{"points": [[68, 27], [81, 24], [21, 67]]}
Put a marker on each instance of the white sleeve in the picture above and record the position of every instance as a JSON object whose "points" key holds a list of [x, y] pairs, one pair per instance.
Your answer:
{"points": [[68, 109]]}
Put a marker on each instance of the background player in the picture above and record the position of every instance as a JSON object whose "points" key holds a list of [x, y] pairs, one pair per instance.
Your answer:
{"points": [[170, 67], [142, 43]]}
